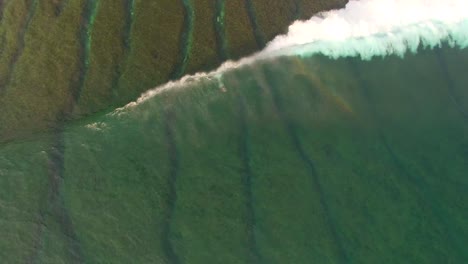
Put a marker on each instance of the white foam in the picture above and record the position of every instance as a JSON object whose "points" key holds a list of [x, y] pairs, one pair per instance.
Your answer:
{"points": [[364, 28], [369, 28]]}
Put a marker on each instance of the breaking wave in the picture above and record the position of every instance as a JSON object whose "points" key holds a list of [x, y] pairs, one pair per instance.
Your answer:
{"points": [[364, 28]]}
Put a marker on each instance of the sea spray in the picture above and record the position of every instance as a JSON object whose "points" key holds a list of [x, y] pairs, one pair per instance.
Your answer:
{"points": [[364, 28]]}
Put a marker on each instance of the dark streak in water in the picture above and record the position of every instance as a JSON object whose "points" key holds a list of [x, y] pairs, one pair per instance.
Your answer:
{"points": [[310, 165], [87, 20], [2, 8], [169, 119], [2, 38], [416, 182], [55, 203], [297, 9], [259, 38], [60, 6], [55, 206], [244, 150], [21, 43], [219, 22], [2, 43], [129, 8], [38, 243], [450, 83], [185, 42]]}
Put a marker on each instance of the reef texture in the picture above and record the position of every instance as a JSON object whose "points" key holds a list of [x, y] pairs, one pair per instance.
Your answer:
{"points": [[63, 59]]}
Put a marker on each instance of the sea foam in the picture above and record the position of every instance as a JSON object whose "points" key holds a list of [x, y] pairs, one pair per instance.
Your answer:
{"points": [[369, 28], [364, 28]]}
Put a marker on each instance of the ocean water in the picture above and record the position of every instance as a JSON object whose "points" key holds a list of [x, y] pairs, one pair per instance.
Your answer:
{"points": [[341, 149]]}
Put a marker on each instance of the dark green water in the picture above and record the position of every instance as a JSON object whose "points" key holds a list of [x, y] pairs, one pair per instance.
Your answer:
{"points": [[291, 160]]}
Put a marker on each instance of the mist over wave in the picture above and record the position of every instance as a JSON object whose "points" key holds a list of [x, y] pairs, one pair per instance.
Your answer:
{"points": [[364, 28]]}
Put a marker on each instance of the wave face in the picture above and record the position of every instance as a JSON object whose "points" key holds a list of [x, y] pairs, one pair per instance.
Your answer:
{"points": [[291, 160]]}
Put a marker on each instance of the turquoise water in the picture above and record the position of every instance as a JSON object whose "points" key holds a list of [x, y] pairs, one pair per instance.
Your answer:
{"points": [[287, 160]]}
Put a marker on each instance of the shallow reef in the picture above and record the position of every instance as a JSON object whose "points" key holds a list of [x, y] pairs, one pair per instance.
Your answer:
{"points": [[64, 59]]}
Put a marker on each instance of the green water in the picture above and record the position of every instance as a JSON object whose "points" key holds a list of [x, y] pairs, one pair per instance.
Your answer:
{"points": [[290, 160]]}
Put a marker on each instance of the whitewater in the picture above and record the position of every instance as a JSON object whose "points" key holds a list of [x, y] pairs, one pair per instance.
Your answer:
{"points": [[364, 28]]}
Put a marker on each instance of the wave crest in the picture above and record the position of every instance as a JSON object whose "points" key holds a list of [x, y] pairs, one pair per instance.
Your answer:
{"points": [[364, 28]]}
